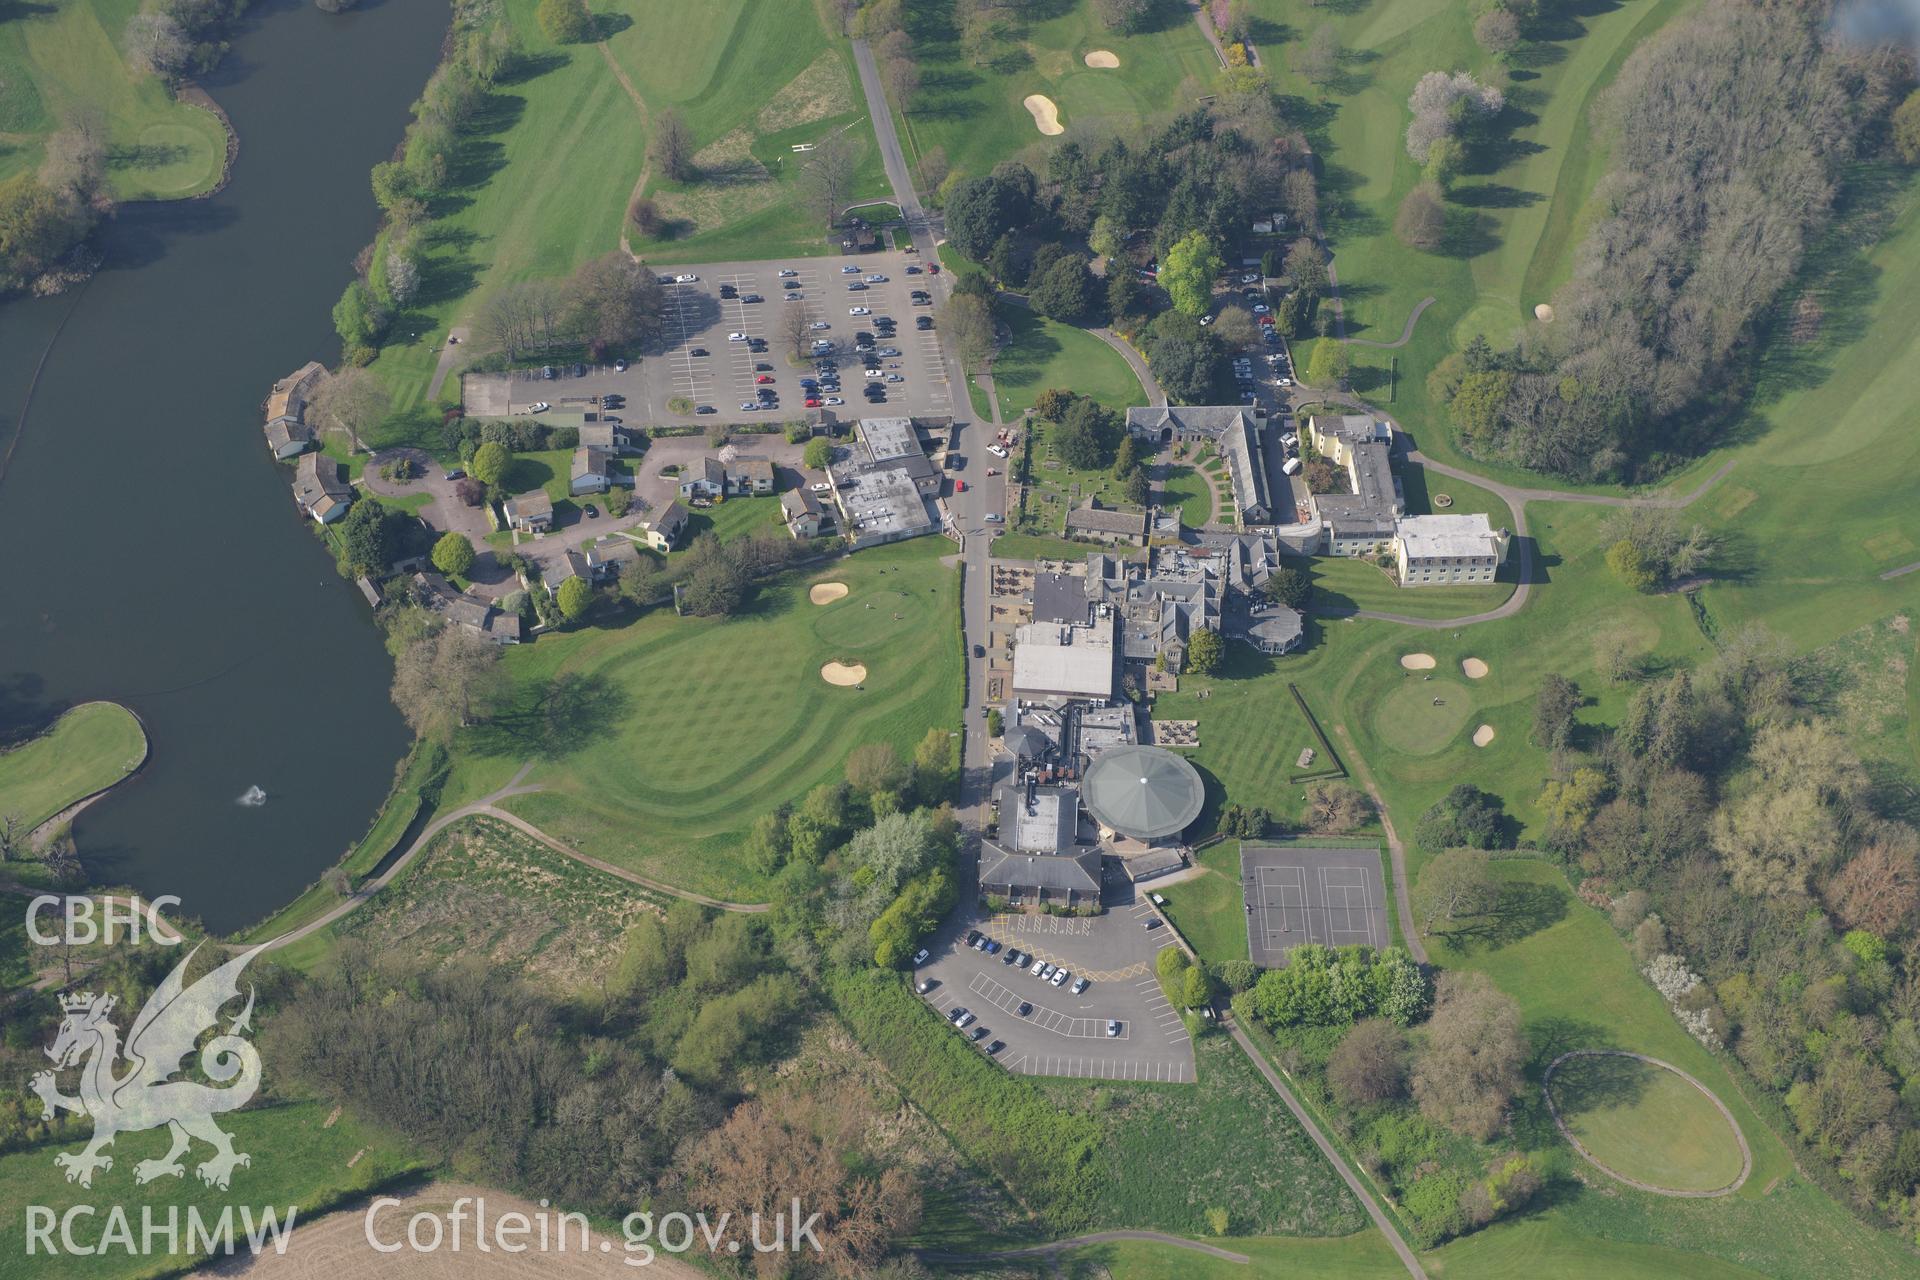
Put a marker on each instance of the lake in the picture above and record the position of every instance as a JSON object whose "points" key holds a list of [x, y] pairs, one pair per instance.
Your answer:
{"points": [[157, 558]]}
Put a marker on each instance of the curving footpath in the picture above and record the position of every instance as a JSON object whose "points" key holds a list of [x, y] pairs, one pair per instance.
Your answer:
{"points": [[1746, 1153], [487, 807], [1054, 1247], [1406, 333]]}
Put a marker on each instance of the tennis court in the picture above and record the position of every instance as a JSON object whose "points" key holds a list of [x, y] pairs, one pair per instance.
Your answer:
{"points": [[1295, 894]]}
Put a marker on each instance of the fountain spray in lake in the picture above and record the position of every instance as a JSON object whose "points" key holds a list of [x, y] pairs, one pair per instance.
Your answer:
{"points": [[252, 798]]}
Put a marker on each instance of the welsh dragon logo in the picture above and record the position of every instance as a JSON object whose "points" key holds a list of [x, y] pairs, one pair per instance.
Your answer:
{"points": [[146, 1095]]}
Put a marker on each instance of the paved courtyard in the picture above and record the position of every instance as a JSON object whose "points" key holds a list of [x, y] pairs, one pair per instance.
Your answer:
{"points": [[1295, 894], [699, 319], [1062, 1034]]}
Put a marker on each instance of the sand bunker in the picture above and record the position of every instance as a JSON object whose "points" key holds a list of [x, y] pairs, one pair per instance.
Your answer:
{"points": [[827, 592], [842, 674], [1417, 661], [1544, 313], [1475, 669], [1046, 116], [1103, 58], [1483, 735]]}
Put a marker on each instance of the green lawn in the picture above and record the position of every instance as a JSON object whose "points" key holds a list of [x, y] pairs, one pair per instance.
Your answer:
{"points": [[974, 114], [547, 182], [1646, 1123], [1187, 489], [88, 749], [1209, 910], [58, 59], [678, 732], [1045, 353], [1026, 546], [299, 1159]]}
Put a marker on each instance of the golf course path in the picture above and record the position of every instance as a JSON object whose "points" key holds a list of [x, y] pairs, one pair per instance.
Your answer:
{"points": [[1396, 850], [487, 807], [1746, 1152], [1901, 572], [1406, 333], [1074, 1242], [1334, 1158]]}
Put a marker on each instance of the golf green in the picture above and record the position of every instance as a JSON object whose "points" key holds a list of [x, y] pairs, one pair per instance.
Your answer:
{"points": [[1643, 1121], [1423, 716]]}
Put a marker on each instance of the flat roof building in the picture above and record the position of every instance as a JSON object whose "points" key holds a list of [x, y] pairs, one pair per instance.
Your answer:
{"points": [[1061, 660]]}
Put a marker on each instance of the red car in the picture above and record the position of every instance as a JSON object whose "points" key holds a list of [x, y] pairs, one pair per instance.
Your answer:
{"points": [[764, 378], [1266, 319], [933, 268], [813, 402], [959, 486]]}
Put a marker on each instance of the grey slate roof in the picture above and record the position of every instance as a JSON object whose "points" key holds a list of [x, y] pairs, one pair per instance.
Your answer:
{"points": [[1028, 872]]}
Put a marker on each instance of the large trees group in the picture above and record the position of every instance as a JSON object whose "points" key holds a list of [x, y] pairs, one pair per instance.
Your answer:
{"points": [[1731, 134]]}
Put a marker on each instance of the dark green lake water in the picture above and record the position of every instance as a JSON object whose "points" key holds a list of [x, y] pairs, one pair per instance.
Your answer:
{"points": [[153, 554]]}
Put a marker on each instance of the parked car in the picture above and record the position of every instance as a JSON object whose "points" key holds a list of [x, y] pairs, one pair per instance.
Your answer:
{"points": [[820, 324], [748, 406], [993, 947], [996, 451], [1079, 986], [1059, 978], [548, 372], [966, 1016], [923, 986], [706, 408], [787, 273], [538, 406], [736, 336], [876, 278], [834, 402], [619, 366], [1113, 1027], [859, 311], [813, 402], [1038, 966], [895, 377], [728, 291], [889, 351], [753, 297], [1251, 277], [996, 1047], [1046, 971], [992, 517], [977, 1034], [791, 284], [1291, 466], [457, 474], [913, 271], [685, 278], [920, 957], [973, 936], [765, 378], [923, 322], [851, 269], [856, 287], [1025, 1008], [821, 486], [1153, 922]]}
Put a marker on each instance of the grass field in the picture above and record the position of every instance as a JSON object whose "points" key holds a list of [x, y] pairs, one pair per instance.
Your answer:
{"points": [[1516, 211], [1577, 988], [299, 1159], [59, 59], [1251, 733], [1044, 353], [1187, 489], [677, 732], [1645, 1122], [974, 114], [1175, 1151], [1209, 909], [88, 749], [547, 182], [485, 892]]}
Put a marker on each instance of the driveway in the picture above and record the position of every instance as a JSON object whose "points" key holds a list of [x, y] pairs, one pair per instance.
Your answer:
{"points": [[446, 511]]}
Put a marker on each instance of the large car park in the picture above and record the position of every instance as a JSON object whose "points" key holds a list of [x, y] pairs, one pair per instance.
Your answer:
{"points": [[1063, 995], [722, 329]]}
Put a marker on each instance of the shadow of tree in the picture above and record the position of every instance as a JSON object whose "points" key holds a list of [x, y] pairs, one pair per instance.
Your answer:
{"points": [[553, 719]]}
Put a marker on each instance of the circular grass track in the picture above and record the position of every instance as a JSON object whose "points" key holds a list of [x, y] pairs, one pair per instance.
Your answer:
{"points": [[1407, 719], [1646, 1123]]}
